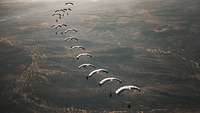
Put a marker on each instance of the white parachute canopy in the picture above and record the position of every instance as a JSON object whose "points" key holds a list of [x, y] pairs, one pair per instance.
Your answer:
{"points": [[97, 71], [128, 87], [109, 79], [78, 47], [83, 54]]}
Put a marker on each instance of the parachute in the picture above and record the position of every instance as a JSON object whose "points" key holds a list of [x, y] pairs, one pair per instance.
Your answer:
{"points": [[72, 30], [80, 47], [123, 88], [83, 54], [86, 65], [69, 3], [97, 71], [109, 79], [71, 38]]}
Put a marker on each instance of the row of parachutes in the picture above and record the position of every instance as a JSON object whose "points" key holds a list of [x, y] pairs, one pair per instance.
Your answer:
{"points": [[66, 30]]}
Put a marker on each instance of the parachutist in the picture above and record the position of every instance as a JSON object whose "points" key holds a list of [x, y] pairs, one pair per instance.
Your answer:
{"points": [[129, 106], [110, 95]]}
